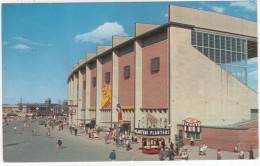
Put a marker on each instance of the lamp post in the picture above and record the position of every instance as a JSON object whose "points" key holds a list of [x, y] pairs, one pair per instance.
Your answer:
{"points": [[118, 109]]}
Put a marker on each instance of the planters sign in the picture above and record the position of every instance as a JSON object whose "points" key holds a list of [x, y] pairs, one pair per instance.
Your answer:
{"points": [[152, 131]]}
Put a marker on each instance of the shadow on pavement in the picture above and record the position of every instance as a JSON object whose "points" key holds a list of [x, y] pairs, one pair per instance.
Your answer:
{"points": [[11, 144]]}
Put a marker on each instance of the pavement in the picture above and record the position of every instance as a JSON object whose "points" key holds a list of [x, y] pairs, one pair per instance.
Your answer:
{"points": [[23, 147]]}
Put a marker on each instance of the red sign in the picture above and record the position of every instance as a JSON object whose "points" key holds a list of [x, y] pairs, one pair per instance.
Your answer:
{"points": [[191, 122]]}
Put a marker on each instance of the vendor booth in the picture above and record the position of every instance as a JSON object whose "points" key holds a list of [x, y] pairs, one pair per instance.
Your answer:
{"points": [[151, 138]]}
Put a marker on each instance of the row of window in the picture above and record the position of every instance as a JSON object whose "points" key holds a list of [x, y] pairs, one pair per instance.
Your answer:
{"points": [[217, 41], [227, 51], [196, 136], [155, 67], [222, 56]]}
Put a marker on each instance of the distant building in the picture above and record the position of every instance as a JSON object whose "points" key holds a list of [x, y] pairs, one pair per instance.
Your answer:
{"points": [[40, 109]]}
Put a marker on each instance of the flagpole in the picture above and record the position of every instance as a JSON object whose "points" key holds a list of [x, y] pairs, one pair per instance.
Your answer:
{"points": [[118, 126]]}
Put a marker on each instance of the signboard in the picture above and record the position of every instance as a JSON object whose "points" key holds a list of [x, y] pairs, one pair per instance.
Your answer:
{"points": [[152, 131], [191, 122], [191, 125]]}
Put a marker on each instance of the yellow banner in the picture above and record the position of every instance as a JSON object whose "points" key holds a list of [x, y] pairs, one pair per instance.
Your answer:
{"points": [[105, 96]]}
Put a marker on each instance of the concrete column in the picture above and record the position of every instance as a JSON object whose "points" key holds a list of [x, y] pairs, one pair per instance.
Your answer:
{"points": [[80, 89], [138, 83], [72, 90], [75, 98], [68, 91], [115, 97], [99, 90], [174, 119], [88, 85]]}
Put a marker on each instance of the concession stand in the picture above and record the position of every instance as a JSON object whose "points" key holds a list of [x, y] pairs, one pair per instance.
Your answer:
{"points": [[151, 137], [190, 127]]}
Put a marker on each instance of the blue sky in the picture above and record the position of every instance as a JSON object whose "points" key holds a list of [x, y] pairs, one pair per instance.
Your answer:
{"points": [[41, 42]]}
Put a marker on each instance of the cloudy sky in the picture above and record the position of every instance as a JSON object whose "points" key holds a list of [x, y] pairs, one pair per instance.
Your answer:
{"points": [[41, 42]]}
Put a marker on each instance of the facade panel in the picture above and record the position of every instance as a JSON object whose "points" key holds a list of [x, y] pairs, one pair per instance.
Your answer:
{"points": [[155, 84]]}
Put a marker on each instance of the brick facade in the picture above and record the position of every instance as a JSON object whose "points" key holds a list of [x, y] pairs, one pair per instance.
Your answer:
{"points": [[227, 138], [155, 85], [126, 86]]}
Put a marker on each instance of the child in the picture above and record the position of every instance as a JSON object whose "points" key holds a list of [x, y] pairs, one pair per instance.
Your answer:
{"points": [[59, 143]]}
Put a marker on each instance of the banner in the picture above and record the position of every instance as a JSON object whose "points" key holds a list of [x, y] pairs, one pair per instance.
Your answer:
{"points": [[106, 95], [119, 114]]}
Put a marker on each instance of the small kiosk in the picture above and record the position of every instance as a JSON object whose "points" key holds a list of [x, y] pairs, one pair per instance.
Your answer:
{"points": [[151, 138]]}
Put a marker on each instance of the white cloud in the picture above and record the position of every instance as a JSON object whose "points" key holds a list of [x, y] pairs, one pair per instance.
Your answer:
{"points": [[251, 6], [218, 9], [102, 33], [166, 15], [22, 47], [26, 41], [5, 43], [252, 61], [253, 74]]}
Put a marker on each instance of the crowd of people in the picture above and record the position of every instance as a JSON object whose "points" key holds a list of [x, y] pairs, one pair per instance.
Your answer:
{"points": [[123, 139]]}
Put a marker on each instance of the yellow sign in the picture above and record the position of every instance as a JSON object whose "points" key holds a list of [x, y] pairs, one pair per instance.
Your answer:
{"points": [[127, 107], [106, 95]]}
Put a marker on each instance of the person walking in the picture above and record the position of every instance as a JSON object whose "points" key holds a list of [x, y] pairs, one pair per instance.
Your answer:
{"points": [[106, 139], [14, 129], [86, 129], [59, 143], [219, 157], [161, 155], [186, 154], [251, 152], [191, 141], [76, 131], [171, 154], [132, 138], [172, 146], [163, 144], [112, 156], [89, 134], [127, 145]]}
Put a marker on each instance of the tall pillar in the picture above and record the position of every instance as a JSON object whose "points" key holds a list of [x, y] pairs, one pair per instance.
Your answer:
{"points": [[88, 85], [138, 82], [80, 90], [75, 98], [68, 90], [99, 90], [115, 97]]}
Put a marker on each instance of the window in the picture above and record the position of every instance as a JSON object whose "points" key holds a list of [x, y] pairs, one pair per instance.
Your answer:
{"points": [[198, 136], [229, 52], [126, 72], [93, 81], [199, 39], [188, 135], [84, 84], [155, 64], [107, 77]]}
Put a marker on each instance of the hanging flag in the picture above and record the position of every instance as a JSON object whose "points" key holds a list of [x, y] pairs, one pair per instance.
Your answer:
{"points": [[119, 113]]}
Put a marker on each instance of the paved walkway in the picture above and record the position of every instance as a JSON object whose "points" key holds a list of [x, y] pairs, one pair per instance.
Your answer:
{"points": [[23, 147]]}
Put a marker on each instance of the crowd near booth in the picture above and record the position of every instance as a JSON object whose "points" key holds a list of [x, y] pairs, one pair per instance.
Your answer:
{"points": [[151, 138]]}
